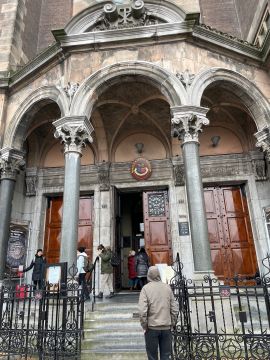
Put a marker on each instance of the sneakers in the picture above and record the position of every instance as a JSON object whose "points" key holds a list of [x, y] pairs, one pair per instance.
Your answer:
{"points": [[111, 295], [100, 295]]}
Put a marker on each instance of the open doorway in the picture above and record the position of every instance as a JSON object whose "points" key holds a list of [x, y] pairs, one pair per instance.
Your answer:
{"points": [[132, 228], [142, 219]]}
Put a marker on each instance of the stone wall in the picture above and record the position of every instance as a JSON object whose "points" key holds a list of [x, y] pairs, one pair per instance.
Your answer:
{"points": [[246, 10]]}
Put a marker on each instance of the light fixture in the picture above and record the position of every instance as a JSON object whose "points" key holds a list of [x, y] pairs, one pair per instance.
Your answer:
{"points": [[139, 147], [215, 140]]}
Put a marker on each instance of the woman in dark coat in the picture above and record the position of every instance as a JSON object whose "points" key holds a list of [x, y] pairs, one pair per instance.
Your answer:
{"points": [[142, 265], [38, 265]]}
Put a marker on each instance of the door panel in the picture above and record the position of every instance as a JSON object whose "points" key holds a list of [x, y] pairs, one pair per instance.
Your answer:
{"points": [[157, 227], [52, 240], [230, 236]]}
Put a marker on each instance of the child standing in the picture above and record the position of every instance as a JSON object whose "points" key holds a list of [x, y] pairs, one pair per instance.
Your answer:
{"points": [[132, 275]]}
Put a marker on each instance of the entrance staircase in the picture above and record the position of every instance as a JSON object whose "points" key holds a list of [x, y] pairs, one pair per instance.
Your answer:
{"points": [[113, 330]]}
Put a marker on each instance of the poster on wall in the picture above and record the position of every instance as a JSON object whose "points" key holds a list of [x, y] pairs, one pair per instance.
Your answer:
{"points": [[17, 245]]}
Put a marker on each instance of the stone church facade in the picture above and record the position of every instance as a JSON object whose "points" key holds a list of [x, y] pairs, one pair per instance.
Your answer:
{"points": [[136, 123]]}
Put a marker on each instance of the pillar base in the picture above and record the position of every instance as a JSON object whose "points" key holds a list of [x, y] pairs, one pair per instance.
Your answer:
{"points": [[198, 276]]}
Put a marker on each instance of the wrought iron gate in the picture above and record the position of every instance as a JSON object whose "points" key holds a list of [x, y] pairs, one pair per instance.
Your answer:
{"points": [[41, 324], [222, 321]]}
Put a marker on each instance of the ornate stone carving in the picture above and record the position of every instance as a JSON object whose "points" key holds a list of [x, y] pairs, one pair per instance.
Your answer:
{"points": [[263, 141], [186, 78], [179, 175], [132, 14], [11, 162], [259, 168], [104, 176], [70, 90], [186, 126], [74, 132], [31, 181]]}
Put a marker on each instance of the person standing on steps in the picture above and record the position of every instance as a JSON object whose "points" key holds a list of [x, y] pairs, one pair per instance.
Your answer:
{"points": [[105, 255], [132, 275], [38, 265], [142, 266], [158, 311], [82, 264]]}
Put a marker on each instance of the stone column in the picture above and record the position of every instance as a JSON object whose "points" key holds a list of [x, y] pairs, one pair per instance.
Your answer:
{"points": [[73, 131], [11, 161], [187, 122], [263, 141]]}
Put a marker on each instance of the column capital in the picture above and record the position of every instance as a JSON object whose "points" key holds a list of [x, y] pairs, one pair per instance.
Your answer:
{"points": [[187, 122], [74, 131], [263, 141], [11, 162]]}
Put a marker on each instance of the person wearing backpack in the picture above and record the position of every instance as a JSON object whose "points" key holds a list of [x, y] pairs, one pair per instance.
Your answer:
{"points": [[105, 255], [83, 266]]}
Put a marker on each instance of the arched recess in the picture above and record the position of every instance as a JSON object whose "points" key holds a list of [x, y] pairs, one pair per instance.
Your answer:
{"points": [[17, 130], [153, 148], [252, 98], [143, 71]]}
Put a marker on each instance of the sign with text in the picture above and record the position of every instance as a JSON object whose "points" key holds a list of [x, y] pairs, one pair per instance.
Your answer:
{"points": [[183, 228], [17, 244]]}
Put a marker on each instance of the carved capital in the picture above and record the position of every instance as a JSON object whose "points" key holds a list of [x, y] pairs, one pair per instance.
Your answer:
{"points": [[104, 176], [11, 162], [263, 141], [187, 122], [74, 132]]}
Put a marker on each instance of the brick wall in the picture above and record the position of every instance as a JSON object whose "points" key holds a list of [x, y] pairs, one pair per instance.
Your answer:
{"points": [[246, 10], [31, 27], [54, 15], [221, 14]]}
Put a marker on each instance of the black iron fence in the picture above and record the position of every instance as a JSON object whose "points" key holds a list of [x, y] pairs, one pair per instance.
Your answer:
{"points": [[218, 321], [41, 324]]}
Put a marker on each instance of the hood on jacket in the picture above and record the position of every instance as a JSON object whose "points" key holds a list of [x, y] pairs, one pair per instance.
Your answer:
{"points": [[153, 274], [81, 254]]}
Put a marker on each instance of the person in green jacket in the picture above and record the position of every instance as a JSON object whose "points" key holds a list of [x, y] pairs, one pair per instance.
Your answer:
{"points": [[105, 255]]}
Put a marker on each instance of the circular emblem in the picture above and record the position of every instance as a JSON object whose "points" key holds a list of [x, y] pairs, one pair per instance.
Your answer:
{"points": [[141, 169]]}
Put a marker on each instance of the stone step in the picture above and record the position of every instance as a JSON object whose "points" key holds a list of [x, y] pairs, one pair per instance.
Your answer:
{"points": [[135, 343], [110, 323], [112, 355], [112, 333]]}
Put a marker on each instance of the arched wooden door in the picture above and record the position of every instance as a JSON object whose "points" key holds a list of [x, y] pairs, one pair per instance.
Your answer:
{"points": [[230, 234], [52, 240], [157, 234]]}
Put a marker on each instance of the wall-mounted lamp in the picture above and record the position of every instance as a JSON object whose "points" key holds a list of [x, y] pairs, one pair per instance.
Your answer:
{"points": [[139, 147], [215, 140]]}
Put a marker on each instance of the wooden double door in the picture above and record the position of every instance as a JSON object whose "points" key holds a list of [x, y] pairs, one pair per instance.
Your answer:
{"points": [[157, 232], [230, 234], [52, 240]]}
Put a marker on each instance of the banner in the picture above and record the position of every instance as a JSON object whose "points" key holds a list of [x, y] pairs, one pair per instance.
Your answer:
{"points": [[17, 245]]}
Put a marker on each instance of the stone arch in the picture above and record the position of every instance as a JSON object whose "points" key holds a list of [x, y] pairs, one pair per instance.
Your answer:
{"points": [[166, 82], [16, 131], [253, 99]]}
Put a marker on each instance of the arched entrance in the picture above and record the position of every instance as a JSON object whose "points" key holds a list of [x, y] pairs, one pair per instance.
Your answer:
{"points": [[133, 121]]}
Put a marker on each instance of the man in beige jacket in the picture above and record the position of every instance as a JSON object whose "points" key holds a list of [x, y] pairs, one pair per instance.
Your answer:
{"points": [[158, 314]]}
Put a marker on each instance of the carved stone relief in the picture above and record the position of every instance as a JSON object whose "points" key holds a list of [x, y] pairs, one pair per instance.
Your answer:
{"points": [[132, 14], [104, 176], [186, 78], [179, 175]]}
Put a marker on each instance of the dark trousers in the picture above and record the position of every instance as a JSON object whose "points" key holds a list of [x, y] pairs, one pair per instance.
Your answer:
{"points": [[82, 282], [161, 339], [37, 285]]}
